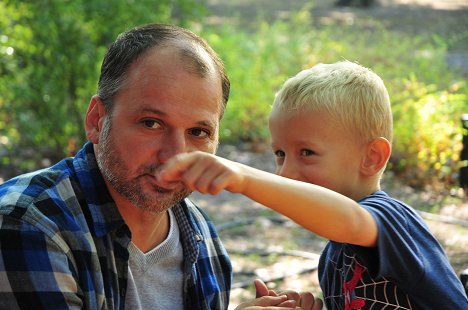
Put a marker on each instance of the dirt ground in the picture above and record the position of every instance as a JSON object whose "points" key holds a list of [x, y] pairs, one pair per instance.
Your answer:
{"points": [[263, 244]]}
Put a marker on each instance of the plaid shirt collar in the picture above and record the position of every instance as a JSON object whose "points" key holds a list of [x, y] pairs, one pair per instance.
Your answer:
{"points": [[104, 213]]}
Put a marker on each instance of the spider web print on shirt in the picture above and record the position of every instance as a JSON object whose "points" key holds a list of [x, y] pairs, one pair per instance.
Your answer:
{"points": [[357, 290]]}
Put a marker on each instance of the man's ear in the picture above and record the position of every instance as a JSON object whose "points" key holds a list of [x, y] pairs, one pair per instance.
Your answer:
{"points": [[376, 156], [94, 119]]}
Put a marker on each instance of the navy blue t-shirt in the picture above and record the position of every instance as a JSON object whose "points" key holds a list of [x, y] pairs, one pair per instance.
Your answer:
{"points": [[407, 270]]}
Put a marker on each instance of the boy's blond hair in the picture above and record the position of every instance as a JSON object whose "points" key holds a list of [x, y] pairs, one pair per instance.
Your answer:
{"points": [[353, 95]]}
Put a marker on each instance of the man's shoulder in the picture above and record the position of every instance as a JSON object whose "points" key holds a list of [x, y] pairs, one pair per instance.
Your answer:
{"points": [[34, 185], [42, 196]]}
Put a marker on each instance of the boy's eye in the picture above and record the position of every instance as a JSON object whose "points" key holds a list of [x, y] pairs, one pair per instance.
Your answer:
{"points": [[306, 152], [150, 123], [279, 153], [199, 132]]}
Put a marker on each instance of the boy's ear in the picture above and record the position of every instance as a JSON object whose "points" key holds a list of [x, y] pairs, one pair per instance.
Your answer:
{"points": [[94, 119], [376, 157]]}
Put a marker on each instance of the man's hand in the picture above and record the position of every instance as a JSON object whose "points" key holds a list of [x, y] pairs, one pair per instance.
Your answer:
{"points": [[304, 300], [267, 303]]}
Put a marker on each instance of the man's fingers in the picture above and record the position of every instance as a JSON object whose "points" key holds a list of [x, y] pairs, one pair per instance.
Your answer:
{"points": [[305, 300], [266, 302], [293, 295], [260, 288], [318, 304]]}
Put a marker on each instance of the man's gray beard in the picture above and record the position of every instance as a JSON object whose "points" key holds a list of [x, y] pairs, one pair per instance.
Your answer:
{"points": [[114, 171]]}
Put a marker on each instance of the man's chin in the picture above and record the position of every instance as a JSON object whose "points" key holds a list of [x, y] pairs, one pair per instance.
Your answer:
{"points": [[162, 199], [178, 190]]}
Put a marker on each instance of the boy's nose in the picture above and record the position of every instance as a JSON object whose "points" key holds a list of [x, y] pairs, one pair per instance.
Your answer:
{"points": [[289, 171]]}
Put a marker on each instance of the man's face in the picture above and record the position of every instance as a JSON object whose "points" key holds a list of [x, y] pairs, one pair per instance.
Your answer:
{"points": [[162, 110]]}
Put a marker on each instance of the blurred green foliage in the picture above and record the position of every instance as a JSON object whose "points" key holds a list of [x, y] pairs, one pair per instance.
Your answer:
{"points": [[50, 54]]}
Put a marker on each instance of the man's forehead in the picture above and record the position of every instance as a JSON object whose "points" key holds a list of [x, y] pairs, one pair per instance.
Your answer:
{"points": [[191, 58]]}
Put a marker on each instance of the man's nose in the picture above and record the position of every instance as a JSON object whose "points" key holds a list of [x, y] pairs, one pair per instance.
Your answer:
{"points": [[173, 144]]}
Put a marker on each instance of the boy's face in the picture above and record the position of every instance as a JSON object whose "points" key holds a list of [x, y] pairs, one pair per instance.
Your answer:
{"points": [[311, 147]]}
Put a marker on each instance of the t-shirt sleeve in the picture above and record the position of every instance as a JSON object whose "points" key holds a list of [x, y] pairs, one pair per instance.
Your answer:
{"points": [[409, 255], [403, 240]]}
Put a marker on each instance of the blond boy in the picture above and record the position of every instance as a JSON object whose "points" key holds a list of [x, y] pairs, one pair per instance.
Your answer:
{"points": [[331, 129]]}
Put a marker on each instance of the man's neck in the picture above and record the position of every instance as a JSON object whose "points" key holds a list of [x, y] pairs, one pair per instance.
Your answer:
{"points": [[148, 229]]}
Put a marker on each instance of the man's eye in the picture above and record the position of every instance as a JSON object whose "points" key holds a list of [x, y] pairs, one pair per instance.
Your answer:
{"points": [[306, 152], [199, 132], [150, 123]]}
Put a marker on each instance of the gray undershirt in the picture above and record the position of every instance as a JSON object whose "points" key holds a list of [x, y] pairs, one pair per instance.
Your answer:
{"points": [[155, 278]]}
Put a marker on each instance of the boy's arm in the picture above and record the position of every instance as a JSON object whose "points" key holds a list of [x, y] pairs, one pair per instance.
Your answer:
{"points": [[320, 210]]}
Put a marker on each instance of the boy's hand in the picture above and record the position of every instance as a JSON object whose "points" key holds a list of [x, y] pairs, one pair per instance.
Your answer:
{"points": [[203, 172]]}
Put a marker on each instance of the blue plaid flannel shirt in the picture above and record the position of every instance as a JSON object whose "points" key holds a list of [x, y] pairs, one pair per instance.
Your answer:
{"points": [[63, 243]]}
